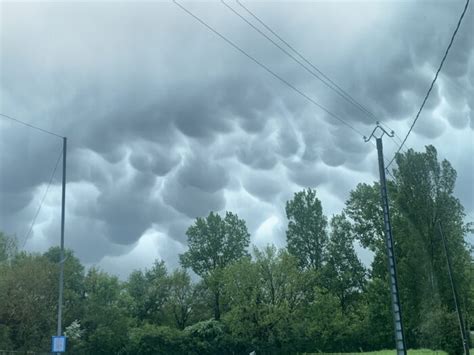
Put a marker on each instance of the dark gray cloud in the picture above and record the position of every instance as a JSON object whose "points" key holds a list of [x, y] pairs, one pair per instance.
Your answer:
{"points": [[257, 154], [166, 122], [192, 201], [264, 187], [203, 174], [128, 201]]}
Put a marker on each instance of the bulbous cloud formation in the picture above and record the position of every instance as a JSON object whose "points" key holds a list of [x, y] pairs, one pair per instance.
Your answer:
{"points": [[167, 122]]}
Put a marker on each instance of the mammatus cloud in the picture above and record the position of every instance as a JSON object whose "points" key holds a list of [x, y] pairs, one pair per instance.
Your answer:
{"points": [[166, 122]]}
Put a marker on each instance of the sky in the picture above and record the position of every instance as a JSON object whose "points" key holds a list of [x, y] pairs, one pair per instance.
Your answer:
{"points": [[166, 121]]}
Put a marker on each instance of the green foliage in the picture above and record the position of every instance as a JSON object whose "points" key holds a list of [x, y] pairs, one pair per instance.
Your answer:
{"points": [[264, 297], [314, 296], [149, 292], [365, 210], [425, 202], [6, 342], [206, 337], [105, 318], [74, 333], [306, 235], [28, 299], [73, 306], [390, 352], [151, 339], [181, 297], [343, 274], [8, 248], [328, 325], [440, 330], [379, 323], [215, 242]]}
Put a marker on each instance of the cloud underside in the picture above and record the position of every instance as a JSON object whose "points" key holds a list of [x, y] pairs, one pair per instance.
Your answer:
{"points": [[166, 122]]}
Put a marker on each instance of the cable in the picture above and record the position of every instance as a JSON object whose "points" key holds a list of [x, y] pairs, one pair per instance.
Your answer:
{"points": [[268, 69], [281, 48], [396, 136], [42, 200], [335, 87], [31, 126], [389, 173], [433, 82], [385, 160]]}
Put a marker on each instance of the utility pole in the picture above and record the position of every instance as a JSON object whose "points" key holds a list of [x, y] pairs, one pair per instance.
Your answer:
{"points": [[400, 344], [61, 254], [455, 294]]}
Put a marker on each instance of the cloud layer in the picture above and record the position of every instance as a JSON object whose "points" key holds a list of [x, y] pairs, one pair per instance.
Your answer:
{"points": [[167, 122]]}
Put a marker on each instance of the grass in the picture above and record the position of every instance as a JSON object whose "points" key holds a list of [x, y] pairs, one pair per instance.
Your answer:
{"points": [[390, 352]]}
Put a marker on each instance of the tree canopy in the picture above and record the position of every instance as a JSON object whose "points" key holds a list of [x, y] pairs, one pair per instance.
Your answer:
{"points": [[215, 242], [306, 235], [315, 295]]}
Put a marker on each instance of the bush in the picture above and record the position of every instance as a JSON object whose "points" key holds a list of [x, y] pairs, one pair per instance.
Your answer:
{"points": [[440, 330], [5, 341], [152, 339], [211, 337]]}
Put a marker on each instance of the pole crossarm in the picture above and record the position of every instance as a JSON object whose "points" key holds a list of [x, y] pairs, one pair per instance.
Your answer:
{"points": [[378, 127]]}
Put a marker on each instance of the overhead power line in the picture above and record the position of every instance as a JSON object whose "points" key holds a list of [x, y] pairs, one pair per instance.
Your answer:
{"points": [[396, 138], [266, 68], [326, 81], [33, 221], [30, 125], [433, 82], [315, 71]]}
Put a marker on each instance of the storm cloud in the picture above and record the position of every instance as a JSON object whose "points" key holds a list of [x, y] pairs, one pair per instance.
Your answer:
{"points": [[167, 122]]}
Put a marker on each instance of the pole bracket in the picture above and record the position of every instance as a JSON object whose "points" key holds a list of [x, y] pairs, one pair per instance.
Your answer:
{"points": [[378, 127]]}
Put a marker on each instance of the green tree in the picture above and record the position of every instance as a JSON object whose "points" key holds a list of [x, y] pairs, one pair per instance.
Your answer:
{"points": [[8, 247], [208, 337], [150, 339], [74, 333], [420, 198], [426, 201], [73, 295], [181, 294], [378, 321], [215, 242], [343, 274], [7, 252], [328, 327], [265, 297], [306, 235], [28, 302], [149, 291], [105, 320]]}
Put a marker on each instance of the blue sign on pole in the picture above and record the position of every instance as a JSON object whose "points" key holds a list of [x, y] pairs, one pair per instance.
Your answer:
{"points": [[58, 344]]}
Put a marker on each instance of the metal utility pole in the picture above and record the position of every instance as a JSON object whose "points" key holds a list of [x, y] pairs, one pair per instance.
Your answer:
{"points": [[61, 254], [455, 294], [392, 265]]}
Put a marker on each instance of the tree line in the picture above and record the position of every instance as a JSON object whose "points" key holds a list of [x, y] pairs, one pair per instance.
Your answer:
{"points": [[314, 295]]}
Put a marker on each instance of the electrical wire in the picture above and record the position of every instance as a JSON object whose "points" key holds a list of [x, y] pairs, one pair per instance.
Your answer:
{"points": [[389, 173], [396, 136], [33, 221], [256, 61], [329, 82], [30, 125], [433, 82]]}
